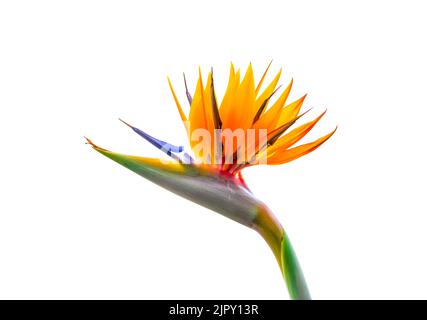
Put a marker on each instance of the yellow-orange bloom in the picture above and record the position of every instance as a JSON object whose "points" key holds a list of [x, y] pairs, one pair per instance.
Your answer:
{"points": [[256, 130], [245, 107]]}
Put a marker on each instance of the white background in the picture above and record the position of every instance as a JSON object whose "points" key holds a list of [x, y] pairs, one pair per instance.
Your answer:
{"points": [[74, 224]]}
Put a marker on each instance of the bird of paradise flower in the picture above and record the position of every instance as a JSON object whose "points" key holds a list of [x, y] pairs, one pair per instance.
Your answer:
{"points": [[213, 178]]}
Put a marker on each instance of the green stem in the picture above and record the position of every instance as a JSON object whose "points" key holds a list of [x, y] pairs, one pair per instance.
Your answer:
{"points": [[293, 274], [273, 233]]}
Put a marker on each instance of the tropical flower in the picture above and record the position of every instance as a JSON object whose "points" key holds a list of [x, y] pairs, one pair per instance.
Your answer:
{"points": [[243, 130]]}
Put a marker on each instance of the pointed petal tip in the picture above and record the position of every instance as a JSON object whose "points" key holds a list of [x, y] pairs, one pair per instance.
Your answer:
{"points": [[169, 82], [299, 151], [304, 113], [88, 141], [126, 123], [322, 114], [328, 135], [275, 90], [93, 145], [336, 128], [250, 69]]}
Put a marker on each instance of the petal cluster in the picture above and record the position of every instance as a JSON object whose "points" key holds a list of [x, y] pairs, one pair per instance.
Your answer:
{"points": [[248, 109]]}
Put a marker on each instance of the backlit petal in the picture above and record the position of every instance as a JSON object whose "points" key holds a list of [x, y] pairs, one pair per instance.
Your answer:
{"points": [[268, 91], [283, 156], [269, 119], [178, 105], [295, 135], [258, 87], [290, 111]]}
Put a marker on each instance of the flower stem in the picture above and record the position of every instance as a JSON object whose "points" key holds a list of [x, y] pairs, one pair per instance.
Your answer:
{"points": [[273, 233]]}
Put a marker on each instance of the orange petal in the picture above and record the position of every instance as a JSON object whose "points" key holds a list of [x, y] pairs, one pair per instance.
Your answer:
{"points": [[290, 112], [258, 87], [261, 147], [267, 92], [242, 113], [210, 122], [197, 110], [214, 105], [270, 118], [207, 104], [178, 105], [226, 107], [283, 156], [295, 135]]}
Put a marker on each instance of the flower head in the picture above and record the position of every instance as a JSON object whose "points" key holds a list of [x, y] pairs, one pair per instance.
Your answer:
{"points": [[241, 131], [244, 129]]}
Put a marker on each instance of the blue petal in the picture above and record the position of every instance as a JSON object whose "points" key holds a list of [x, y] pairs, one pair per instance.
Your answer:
{"points": [[168, 148]]}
